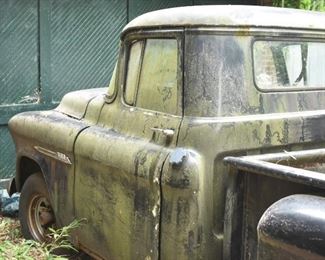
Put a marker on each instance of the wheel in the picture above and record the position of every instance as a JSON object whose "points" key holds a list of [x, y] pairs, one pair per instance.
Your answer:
{"points": [[35, 211]]}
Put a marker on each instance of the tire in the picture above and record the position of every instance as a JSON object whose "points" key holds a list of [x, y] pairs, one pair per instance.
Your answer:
{"points": [[35, 210]]}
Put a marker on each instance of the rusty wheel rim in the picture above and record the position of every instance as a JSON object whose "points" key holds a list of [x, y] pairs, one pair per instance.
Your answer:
{"points": [[40, 218]]}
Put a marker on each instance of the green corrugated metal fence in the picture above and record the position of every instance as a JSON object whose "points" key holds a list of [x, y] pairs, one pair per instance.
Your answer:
{"points": [[51, 47]]}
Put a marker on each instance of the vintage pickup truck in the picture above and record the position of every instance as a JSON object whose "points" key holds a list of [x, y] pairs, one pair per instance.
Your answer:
{"points": [[208, 144]]}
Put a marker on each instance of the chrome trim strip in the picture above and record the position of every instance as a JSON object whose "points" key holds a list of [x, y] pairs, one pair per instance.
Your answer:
{"points": [[55, 155]]}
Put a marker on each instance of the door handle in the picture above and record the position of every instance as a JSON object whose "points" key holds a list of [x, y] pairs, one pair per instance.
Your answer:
{"points": [[165, 132]]}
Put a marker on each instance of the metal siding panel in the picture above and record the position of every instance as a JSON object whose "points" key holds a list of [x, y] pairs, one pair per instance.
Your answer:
{"points": [[84, 43], [7, 158], [18, 52], [44, 51], [223, 2], [19, 75], [138, 7], [211, 2], [244, 2]]}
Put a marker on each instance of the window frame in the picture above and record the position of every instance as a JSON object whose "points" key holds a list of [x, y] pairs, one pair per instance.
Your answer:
{"points": [[282, 39], [110, 98], [130, 38], [135, 94]]}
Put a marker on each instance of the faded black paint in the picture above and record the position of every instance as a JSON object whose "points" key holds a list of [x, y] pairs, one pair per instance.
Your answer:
{"points": [[214, 66], [293, 227]]}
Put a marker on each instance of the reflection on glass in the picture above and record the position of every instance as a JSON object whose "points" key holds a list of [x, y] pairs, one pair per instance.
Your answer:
{"points": [[133, 71], [289, 64]]}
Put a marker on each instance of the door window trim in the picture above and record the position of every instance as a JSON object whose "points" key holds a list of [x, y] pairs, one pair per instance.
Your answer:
{"points": [[129, 39]]}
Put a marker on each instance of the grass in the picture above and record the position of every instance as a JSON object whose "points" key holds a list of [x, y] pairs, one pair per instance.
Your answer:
{"points": [[14, 246]]}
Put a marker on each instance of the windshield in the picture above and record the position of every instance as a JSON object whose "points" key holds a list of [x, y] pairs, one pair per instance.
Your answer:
{"points": [[289, 64]]}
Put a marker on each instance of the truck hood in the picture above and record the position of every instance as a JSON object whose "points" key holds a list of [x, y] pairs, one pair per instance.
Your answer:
{"points": [[75, 103]]}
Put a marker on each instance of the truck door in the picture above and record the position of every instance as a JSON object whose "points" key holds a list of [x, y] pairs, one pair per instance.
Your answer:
{"points": [[119, 161]]}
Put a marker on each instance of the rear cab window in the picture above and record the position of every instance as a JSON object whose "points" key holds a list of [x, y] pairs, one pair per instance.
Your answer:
{"points": [[289, 64]]}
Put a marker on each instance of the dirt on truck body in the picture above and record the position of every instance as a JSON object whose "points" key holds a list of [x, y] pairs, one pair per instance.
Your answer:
{"points": [[208, 143]]}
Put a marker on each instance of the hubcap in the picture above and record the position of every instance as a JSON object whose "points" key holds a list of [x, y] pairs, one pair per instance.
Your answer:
{"points": [[41, 217]]}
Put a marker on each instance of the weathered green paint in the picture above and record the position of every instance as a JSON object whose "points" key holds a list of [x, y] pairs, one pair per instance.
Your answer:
{"points": [[51, 47], [153, 185]]}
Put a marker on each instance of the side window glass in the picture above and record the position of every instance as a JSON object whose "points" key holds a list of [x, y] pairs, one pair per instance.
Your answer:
{"points": [[159, 76], [133, 72]]}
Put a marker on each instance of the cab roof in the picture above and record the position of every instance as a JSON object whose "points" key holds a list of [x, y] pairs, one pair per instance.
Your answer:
{"points": [[232, 16]]}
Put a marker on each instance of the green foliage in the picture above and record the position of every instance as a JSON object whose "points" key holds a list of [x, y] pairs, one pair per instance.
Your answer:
{"points": [[315, 5], [59, 239], [12, 246], [26, 249]]}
